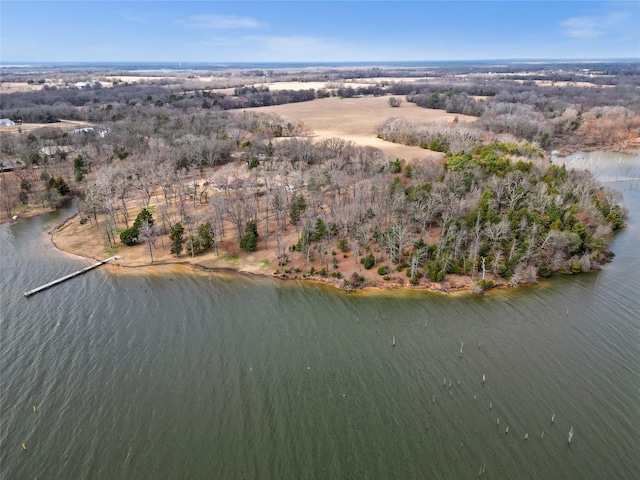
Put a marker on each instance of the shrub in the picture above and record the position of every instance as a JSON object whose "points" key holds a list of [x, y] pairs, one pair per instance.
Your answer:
{"points": [[129, 236], [59, 185], [436, 274], [384, 270], [253, 163], [544, 270], [408, 171], [368, 261], [486, 284], [396, 166], [440, 144]]}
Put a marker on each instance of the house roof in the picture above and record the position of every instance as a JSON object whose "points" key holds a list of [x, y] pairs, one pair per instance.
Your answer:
{"points": [[52, 150]]}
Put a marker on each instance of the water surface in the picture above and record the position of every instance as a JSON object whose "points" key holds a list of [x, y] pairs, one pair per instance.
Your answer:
{"points": [[174, 375]]}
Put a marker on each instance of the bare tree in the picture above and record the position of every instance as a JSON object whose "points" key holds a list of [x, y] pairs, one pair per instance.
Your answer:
{"points": [[148, 234], [395, 101]]}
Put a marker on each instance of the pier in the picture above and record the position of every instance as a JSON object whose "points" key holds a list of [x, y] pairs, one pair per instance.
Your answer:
{"points": [[67, 277]]}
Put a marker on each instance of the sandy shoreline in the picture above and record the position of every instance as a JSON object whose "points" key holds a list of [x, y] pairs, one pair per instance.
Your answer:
{"points": [[204, 265]]}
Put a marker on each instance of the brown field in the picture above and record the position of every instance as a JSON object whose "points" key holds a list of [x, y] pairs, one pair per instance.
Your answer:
{"points": [[30, 127], [551, 83], [356, 119], [329, 85], [276, 86], [12, 87]]}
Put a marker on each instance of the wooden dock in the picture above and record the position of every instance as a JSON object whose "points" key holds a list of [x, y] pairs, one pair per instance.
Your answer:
{"points": [[67, 277]]}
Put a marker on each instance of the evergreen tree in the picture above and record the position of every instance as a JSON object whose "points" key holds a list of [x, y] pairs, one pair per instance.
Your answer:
{"points": [[298, 205], [249, 240], [177, 239], [129, 236]]}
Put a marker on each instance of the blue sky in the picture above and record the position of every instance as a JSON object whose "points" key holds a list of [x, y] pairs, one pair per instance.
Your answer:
{"points": [[316, 31]]}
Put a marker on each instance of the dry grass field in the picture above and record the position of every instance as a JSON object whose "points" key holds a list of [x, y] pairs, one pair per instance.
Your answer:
{"points": [[12, 87], [30, 127], [356, 119]]}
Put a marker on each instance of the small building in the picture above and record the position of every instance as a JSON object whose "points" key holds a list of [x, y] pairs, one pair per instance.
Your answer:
{"points": [[10, 165], [101, 133], [83, 130], [6, 122], [52, 150]]}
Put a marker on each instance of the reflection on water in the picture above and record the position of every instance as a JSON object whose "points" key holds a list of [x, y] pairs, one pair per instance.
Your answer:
{"points": [[175, 375]]}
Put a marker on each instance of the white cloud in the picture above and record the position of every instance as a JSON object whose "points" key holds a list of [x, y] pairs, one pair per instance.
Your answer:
{"points": [[218, 22], [594, 26], [582, 27]]}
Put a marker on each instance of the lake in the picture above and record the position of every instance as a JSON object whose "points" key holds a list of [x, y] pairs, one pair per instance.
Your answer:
{"points": [[163, 373]]}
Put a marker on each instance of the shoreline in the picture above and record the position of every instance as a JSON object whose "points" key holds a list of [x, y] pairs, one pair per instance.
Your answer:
{"points": [[462, 285]]}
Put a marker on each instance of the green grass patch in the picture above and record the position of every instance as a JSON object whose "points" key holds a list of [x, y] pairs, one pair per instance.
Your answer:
{"points": [[231, 258]]}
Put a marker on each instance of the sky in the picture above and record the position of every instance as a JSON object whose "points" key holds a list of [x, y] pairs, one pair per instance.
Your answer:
{"points": [[316, 31]]}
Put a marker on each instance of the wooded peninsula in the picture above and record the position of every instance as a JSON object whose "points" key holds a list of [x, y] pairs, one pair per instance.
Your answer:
{"points": [[426, 177]]}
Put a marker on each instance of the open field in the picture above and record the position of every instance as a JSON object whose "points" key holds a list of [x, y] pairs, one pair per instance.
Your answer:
{"points": [[356, 120], [12, 87], [30, 127]]}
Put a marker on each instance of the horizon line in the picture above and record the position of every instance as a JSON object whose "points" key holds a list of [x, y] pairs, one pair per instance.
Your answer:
{"points": [[6, 63]]}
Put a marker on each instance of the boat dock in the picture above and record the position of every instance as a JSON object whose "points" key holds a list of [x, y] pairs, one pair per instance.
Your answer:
{"points": [[67, 277]]}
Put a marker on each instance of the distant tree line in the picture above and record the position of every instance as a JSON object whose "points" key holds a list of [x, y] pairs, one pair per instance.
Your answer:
{"points": [[552, 116]]}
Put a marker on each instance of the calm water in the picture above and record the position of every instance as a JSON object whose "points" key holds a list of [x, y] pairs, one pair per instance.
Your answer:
{"points": [[170, 375]]}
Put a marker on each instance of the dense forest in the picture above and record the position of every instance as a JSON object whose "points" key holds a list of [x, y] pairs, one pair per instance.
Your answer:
{"points": [[167, 159]]}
